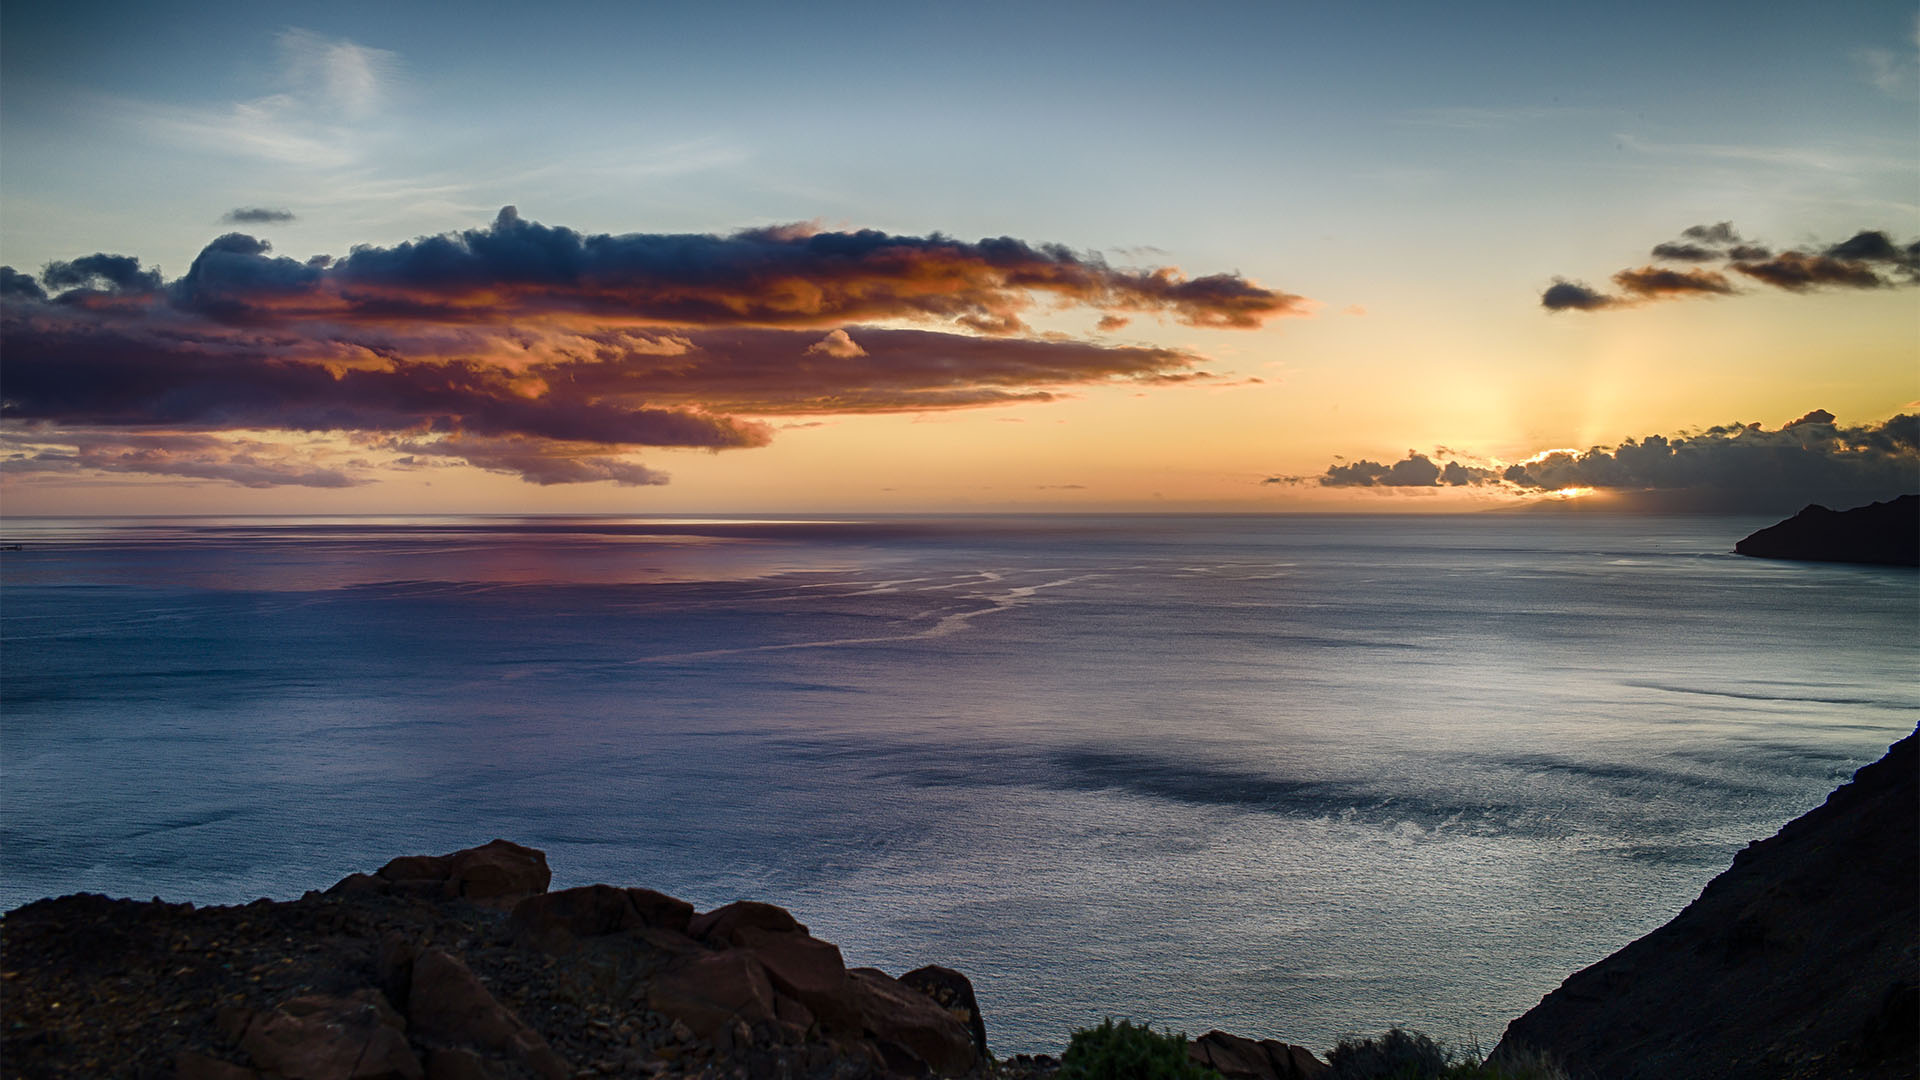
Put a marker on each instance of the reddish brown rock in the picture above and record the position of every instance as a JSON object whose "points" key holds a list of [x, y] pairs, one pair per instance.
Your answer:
{"points": [[897, 1017], [497, 873], [661, 910], [499, 870], [718, 927], [953, 992], [320, 1037], [189, 1065], [806, 969], [1238, 1058], [356, 884], [554, 920], [462, 1064], [449, 1005], [710, 992]]}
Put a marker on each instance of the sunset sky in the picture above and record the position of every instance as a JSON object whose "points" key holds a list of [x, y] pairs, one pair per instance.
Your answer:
{"points": [[908, 257]]}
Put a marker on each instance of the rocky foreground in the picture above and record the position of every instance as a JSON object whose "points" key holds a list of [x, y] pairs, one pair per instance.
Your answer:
{"points": [[464, 967]]}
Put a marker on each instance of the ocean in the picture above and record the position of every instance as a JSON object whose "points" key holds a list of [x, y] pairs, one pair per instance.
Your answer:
{"points": [[1289, 776]]}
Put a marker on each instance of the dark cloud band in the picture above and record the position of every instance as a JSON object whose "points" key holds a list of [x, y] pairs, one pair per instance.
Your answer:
{"points": [[1867, 260], [548, 353]]}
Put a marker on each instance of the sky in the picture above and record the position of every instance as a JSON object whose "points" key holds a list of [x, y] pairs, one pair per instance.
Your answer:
{"points": [[372, 258]]}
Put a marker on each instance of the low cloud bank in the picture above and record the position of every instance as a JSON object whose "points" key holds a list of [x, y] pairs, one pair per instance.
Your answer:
{"points": [[1733, 468]]}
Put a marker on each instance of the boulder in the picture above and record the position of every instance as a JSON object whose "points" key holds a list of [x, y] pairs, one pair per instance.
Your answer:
{"points": [[449, 1005], [953, 992], [711, 991], [193, 1065], [806, 969], [657, 909], [1237, 1058], [498, 873], [717, 927], [323, 1037], [553, 920], [899, 1018], [462, 1064]]}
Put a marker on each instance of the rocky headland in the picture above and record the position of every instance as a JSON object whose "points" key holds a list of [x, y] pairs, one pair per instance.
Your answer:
{"points": [[1882, 533]]}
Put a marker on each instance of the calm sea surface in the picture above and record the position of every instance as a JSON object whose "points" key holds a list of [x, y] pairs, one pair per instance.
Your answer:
{"points": [[1287, 776]]}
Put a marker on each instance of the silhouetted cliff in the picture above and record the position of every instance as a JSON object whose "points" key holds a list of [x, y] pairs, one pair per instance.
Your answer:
{"points": [[1884, 532]]}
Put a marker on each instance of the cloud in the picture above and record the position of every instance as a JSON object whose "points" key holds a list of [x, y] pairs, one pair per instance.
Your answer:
{"points": [[1685, 252], [1719, 233], [1565, 295], [552, 355], [1869, 259], [537, 461], [1796, 272], [116, 273], [1653, 282], [256, 215], [246, 462], [15, 285], [1738, 467], [1416, 471], [330, 97], [343, 75], [838, 345], [515, 270]]}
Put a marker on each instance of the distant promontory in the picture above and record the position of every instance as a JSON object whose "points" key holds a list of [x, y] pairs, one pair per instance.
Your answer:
{"points": [[1882, 533]]}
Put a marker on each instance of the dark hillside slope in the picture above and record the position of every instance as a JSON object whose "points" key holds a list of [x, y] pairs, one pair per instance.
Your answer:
{"points": [[1798, 961]]}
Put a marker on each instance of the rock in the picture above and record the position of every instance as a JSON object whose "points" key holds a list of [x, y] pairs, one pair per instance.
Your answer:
{"points": [[448, 1004], [498, 873], [709, 992], [462, 1064], [953, 992], [189, 1065], [1238, 1058], [553, 920], [899, 1018], [358, 884], [718, 926], [321, 1037], [500, 870], [1799, 960], [806, 969], [1886, 533]]}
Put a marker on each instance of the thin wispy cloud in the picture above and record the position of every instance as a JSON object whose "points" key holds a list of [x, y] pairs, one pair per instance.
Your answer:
{"points": [[332, 92]]}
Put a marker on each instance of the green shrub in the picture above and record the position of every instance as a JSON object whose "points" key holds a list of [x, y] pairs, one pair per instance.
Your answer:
{"points": [[1125, 1052], [1516, 1065], [1397, 1055], [1413, 1055]]}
